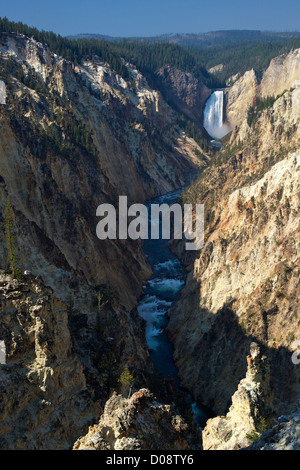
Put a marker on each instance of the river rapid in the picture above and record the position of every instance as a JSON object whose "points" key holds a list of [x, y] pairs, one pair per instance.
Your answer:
{"points": [[163, 288]]}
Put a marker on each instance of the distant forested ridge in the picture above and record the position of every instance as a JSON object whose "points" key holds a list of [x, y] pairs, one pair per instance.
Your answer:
{"points": [[212, 38], [238, 51], [238, 37], [146, 57], [73, 50], [149, 57], [238, 58]]}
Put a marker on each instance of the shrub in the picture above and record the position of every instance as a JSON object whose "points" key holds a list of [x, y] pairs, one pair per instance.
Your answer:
{"points": [[127, 379]]}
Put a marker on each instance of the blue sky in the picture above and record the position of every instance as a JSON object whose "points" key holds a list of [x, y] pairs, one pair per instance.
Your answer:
{"points": [[153, 17]]}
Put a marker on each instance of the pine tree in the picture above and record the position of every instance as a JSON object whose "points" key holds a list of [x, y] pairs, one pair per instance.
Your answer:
{"points": [[127, 379]]}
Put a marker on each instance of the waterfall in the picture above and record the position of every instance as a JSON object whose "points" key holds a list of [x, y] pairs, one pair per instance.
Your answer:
{"points": [[213, 116]]}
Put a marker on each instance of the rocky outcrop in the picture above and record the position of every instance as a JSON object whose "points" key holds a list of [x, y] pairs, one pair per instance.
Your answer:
{"points": [[72, 137], [279, 77], [239, 97], [216, 68], [250, 412], [275, 131], [45, 398], [284, 435], [60, 365], [281, 74], [184, 91], [137, 423]]}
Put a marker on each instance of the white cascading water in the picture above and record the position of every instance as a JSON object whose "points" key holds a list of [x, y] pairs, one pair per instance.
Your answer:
{"points": [[213, 119]]}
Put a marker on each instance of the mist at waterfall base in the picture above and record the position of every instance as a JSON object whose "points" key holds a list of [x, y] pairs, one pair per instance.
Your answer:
{"points": [[160, 292], [213, 116]]}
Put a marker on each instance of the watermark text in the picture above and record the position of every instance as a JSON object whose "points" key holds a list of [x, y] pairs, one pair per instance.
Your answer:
{"points": [[187, 221]]}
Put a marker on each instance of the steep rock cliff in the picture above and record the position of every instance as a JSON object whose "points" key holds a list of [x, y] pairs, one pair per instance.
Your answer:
{"points": [[42, 382], [72, 137], [60, 366], [239, 97], [184, 91], [279, 77], [281, 74], [250, 411], [284, 435], [244, 283]]}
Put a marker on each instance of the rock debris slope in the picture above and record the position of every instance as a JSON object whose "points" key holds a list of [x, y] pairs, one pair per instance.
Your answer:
{"points": [[284, 435]]}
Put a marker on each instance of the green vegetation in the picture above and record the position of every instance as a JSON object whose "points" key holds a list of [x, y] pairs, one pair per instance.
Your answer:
{"points": [[71, 310], [260, 427], [127, 379], [196, 133], [256, 109], [237, 57], [147, 57], [226, 153], [253, 436], [76, 132], [228, 37], [259, 105], [73, 50], [67, 134], [8, 67]]}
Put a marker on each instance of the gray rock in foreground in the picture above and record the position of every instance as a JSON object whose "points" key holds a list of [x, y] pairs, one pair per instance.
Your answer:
{"points": [[285, 435]]}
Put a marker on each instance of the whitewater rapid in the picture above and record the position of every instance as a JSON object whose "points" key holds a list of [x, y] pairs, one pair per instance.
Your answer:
{"points": [[160, 292]]}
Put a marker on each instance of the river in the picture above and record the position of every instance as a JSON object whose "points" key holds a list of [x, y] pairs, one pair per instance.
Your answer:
{"points": [[160, 292]]}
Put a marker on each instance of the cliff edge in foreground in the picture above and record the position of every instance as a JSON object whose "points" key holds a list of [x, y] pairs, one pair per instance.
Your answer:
{"points": [[284, 435], [250, 412], [137, 423]]}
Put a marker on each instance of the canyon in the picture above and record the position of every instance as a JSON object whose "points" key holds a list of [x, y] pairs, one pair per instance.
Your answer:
{"points": [[54, 186], [79, 135]]}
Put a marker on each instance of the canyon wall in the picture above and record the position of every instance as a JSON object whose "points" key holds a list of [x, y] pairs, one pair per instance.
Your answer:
{"points": [[73, 137], [281, 75], [184, 91], [244, 283], [85, 139]]}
